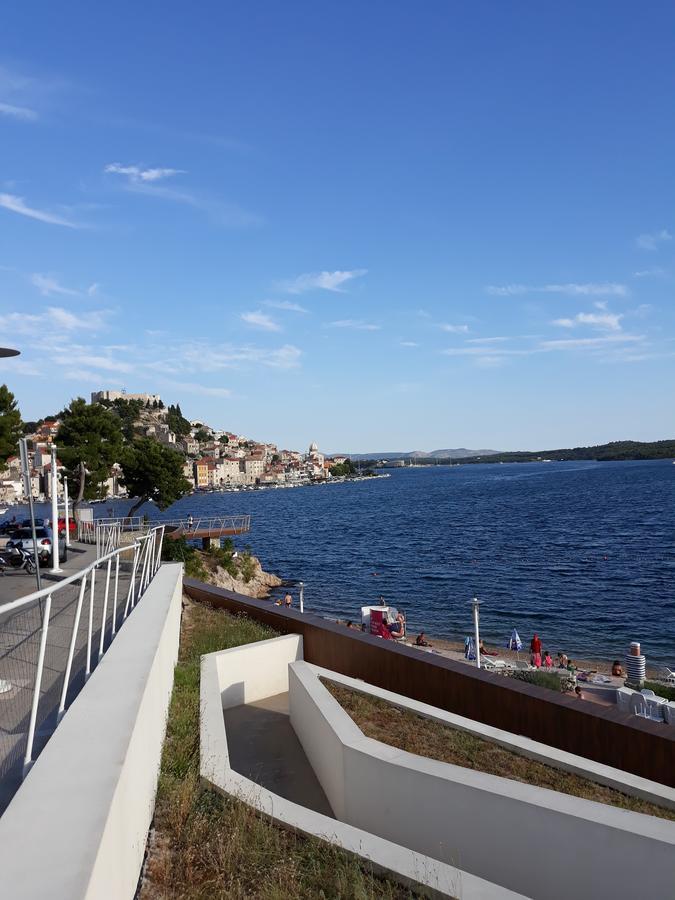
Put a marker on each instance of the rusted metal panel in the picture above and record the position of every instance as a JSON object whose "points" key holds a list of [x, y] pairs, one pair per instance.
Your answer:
{"points": [[604, 734]]}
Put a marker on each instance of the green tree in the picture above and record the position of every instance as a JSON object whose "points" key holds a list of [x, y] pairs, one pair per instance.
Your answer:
{"points": [[203, 435], [89, 442], [11, 426], [177, 421], [128, 412], [153, 472], [224, 439]]}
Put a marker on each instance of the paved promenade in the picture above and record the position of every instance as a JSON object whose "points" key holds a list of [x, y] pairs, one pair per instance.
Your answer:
{"points": [[20, 633]]}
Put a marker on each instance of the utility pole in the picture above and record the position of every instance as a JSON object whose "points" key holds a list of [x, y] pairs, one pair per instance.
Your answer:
{"points": [[55, 569], [475, 606], [28, 491]]}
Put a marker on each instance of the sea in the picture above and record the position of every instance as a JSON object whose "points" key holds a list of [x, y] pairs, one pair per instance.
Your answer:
{"points": [[583, 553]]}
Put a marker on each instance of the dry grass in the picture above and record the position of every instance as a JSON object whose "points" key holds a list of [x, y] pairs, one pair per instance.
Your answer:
{"points": [[206, 847], [407, 731]]}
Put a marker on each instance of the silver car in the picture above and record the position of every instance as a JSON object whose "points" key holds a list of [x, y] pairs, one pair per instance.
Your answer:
{"points": [[23, 538]]}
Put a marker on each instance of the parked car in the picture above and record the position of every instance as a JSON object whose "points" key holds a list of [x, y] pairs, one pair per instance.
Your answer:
{"points": [[23, 538], [72, 526], [39, 523]]}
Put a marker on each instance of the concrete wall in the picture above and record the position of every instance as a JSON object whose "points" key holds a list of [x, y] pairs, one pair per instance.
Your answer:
{"points": [[527, 839], [224, 678], [77, 828]]}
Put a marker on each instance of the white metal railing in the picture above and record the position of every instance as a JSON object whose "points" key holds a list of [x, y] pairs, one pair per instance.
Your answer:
{"points": [[233, 524], [147, 552]]}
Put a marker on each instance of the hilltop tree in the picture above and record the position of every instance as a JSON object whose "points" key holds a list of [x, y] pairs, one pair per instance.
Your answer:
{"points": [[177, 421], [89, 442], [203, 435], [153, 472], [11, 426], [129, 412]]}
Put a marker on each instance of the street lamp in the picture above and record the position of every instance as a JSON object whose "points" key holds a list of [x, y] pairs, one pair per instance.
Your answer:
{"points": [[7, 351]]}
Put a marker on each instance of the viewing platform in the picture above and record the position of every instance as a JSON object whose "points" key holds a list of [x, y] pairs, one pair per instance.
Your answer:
{"points": [[206, 528]]}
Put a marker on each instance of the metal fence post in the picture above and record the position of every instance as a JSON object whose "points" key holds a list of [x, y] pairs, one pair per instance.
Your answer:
{"points": [[71, 649], [28, 759], [105, 609], [117, 581], [87, 671]]}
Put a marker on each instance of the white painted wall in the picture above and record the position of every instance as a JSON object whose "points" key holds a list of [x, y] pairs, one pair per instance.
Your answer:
{"points": [[531, 840], [625, 782], [258, 670], [224, 675], [77, 828]]}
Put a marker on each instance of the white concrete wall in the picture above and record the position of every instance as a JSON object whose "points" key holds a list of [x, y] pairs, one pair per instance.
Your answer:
{"points": [[77, 828], [258, 670], [224, 675], [527, 839], [609, 776]]}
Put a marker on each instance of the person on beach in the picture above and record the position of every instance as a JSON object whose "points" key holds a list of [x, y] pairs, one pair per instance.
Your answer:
{"points": [[483, 649], [288, 600], [548, 661], [535, 651], [578, 693], [397, 628], [562, 660], [421, 641]]}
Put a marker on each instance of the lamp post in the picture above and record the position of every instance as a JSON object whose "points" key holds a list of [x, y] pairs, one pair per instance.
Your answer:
{"points": [[66, 510], [55, 569], [302, 596], [28, 491], [475, 607], [7, 351]]}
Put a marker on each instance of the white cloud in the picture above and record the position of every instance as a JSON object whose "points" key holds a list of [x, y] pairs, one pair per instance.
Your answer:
{"points": [[226, 214], [93, 289], [18, 112], [53, 320], [192, 387], [409, 344], [17, 205], [259, 319], [607, 321], [654, 240], [287, 305], [591, 343], [48, 285], [491, 362], [654, 272], [488, 340], [327, 281], [356, 324], [455, 329], [572, 289], [137, 173]]}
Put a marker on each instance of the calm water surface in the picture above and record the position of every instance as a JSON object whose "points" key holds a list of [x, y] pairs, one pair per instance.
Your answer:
{"points": [[581, 552]]}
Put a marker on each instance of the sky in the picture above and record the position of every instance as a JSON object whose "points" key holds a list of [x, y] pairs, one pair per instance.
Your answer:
{"points": [[378, 226]]}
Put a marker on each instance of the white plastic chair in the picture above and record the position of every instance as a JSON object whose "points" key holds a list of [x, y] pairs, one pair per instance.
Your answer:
{"points": [[638, 706], [646, 692]]}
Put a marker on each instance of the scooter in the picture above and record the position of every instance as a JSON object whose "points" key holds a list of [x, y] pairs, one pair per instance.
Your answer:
{"points": [[16, 558]]}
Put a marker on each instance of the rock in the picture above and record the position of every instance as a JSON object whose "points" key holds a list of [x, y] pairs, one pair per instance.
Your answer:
{"points": [[258, 586]]}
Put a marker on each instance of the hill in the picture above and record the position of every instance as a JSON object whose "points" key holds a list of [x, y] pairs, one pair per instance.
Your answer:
{"points": [[615, 450], [456, 453]]}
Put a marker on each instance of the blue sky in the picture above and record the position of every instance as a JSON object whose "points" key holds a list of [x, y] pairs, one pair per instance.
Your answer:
{"points": [[374, 225]]}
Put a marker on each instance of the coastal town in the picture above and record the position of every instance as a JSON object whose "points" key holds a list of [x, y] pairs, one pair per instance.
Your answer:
{"points": [[213, 459]]}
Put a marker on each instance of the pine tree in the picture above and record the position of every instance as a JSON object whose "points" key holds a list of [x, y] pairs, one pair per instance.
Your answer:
{"points": [[11, 426]]}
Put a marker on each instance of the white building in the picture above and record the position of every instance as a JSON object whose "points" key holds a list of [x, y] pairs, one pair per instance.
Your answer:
{"points": [[97, 396]]}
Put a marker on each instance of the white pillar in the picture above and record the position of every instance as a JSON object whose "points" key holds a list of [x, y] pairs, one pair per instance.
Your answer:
{"points": [[302, 596], [55, 569], [66, 511], [475, 603]]}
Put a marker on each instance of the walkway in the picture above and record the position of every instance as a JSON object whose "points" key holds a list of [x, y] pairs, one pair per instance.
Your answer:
{"points": [[19, 644], [15, 584], [264, 748]]}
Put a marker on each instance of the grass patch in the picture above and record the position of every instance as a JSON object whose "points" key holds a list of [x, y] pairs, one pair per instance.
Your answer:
{"points": [[542, 679], [661, 690], [407, 731], [204, 846]]}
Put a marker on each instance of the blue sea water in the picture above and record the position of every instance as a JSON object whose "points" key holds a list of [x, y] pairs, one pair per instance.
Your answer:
{"points": [[581, 552]]}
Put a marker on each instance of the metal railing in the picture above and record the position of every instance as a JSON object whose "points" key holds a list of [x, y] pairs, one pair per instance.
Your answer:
{"points": [[232, 524], [109, 588]]}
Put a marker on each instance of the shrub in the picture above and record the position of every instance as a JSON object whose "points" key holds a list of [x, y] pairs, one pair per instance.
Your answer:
{"points": [[247, 566], [179, 550], [545, 679]]}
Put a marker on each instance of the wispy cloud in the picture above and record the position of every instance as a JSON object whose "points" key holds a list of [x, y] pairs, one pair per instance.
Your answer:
{"points": [[356, 324], [287, 305], [591, 343], [55, 319], [48, 285], [93, 289], [653, 240], [455, 329], [608, 321], [140, 174], [488, 340], [654, 272], [572, 289], [22, 113], [408, 344], [226, 214], [17, 204], [326, 281], [258, 319], [191, 387]]}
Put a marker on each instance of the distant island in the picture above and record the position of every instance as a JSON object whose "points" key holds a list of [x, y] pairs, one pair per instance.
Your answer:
{"points": [[613, 451]]}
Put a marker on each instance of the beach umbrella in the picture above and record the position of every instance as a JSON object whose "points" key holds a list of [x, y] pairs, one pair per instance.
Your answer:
{"points": [[515, 642]]}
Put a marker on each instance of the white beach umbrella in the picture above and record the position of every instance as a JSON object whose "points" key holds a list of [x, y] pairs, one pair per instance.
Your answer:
{"points": [[515, 642]]}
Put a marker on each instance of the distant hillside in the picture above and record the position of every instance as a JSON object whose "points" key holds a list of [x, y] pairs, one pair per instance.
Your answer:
{"points": [[615, 450], [456, 453]]}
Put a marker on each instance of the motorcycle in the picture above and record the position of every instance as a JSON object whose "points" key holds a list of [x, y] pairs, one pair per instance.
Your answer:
{"points": [[16, 558]]}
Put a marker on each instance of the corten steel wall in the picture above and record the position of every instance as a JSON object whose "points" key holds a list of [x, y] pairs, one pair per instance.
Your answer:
{"points": [[603, 734]]}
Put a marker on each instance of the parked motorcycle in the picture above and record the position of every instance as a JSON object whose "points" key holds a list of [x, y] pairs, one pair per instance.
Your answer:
{"points": [[16, 558]]}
